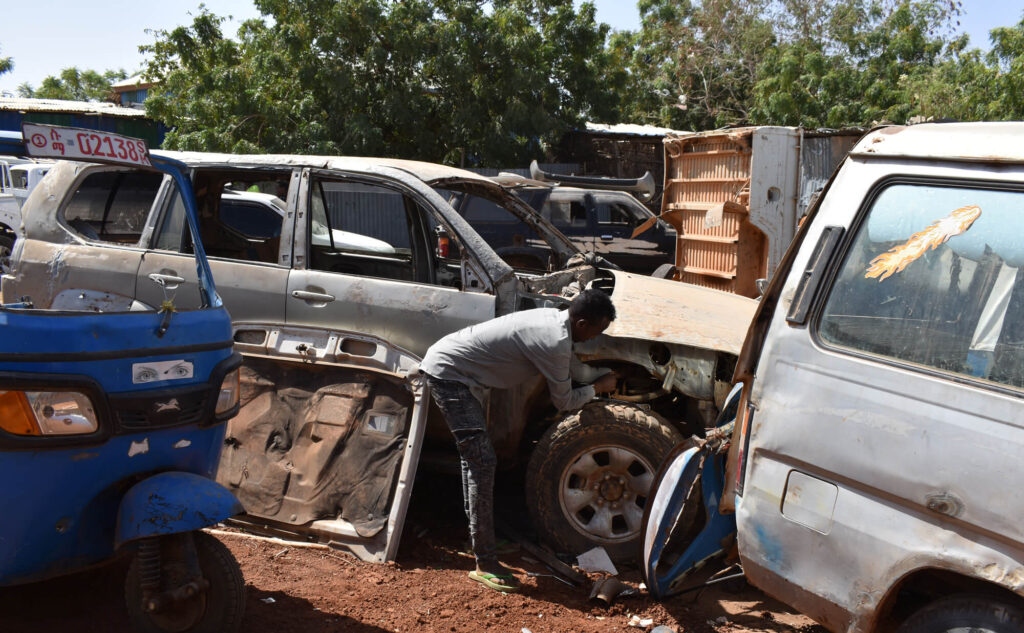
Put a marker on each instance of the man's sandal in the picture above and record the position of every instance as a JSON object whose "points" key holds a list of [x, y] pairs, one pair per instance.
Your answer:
{"points": [[505, 583]]}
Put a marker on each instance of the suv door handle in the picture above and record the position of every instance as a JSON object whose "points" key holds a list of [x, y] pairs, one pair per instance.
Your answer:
{"points": [[607, 238], [167, 281], [306, 295]]}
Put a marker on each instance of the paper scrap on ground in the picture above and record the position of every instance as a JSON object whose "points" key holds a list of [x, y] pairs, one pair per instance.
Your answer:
{"points": [[642, 623], [596, 560]]}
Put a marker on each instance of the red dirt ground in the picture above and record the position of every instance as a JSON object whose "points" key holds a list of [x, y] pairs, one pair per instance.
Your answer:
{"points": [[291, 589]]}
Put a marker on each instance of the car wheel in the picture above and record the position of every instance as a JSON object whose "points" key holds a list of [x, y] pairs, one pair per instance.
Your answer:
{"points": [[6, 246], [218, 609], [963, 614], [588, 479]]}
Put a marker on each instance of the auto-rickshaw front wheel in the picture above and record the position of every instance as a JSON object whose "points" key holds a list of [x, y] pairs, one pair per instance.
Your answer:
{"points": [[164, 594]]}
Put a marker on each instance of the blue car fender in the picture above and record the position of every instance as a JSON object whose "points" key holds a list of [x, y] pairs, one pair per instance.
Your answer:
{"points": [[682, 530], [170, 503]]}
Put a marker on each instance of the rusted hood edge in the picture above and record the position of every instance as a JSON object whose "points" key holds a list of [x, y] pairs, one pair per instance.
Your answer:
{"points": [[673, 312]]}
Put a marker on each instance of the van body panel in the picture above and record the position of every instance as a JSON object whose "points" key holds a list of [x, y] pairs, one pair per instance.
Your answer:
{"points": [[921, 459]]}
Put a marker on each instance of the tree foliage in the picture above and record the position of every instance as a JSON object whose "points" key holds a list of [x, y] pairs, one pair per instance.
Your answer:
{"points": [[75, 85], [695, 63], [458, 81], [6, 65], [817, 63], [494, 83]]}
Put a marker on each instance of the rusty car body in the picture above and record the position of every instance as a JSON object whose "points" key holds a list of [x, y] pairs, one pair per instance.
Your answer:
{"points": [[882, 419], [334, 415]]}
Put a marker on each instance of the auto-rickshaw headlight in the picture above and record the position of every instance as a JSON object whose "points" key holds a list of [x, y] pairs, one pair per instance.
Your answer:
{"points": [[47, 413], [228, 396]]}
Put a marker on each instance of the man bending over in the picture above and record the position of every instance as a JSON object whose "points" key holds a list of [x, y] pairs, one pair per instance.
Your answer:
{"points": [[503, 353]]}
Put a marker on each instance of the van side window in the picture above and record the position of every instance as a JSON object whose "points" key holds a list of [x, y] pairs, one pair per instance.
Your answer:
{"points": [[934, 278], [112, 206], [365, 229]]}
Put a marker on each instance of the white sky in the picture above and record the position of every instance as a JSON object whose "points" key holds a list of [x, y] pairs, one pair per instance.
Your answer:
{"points": [[56, 34]]}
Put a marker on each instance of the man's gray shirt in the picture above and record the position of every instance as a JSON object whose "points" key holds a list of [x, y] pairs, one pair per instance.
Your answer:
{"points": [[509, 350]]}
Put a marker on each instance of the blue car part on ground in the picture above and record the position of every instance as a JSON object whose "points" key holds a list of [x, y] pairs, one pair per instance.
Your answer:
{"points": [[111, 428], [683, 531]]}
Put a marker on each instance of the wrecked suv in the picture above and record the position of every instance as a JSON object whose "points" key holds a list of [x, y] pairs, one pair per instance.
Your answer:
{"points": [[334, 416]]}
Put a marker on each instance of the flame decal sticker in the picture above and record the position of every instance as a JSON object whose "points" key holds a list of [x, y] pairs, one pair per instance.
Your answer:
{"points": [[899, 257]]}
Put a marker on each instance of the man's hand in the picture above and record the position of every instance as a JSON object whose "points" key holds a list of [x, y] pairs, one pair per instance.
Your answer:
{"points": [[606, 383]]}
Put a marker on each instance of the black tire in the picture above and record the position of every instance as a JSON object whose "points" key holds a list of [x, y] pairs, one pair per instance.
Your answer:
{"points": [[217, 610], [977, 614], [6, 246], [615, 447]]}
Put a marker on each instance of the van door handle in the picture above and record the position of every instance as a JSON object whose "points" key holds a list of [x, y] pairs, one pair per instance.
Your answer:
{"points": [[607, 238], [306, 295]]}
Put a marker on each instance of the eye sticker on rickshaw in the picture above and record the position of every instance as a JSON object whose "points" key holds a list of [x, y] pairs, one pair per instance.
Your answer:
{"points": [[164, 370], [938, 232]]}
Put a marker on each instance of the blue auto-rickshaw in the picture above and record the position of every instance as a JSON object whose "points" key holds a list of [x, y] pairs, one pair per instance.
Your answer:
{"points": [[111, 426]]}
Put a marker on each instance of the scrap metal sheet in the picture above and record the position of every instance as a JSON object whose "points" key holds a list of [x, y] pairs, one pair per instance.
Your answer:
{"points": [[672, 312]]}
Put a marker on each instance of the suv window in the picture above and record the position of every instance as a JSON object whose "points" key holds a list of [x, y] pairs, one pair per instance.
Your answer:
{"points": [[243, 223], [565, 213], [613, 213], [933, 278], [364, 229], [484, 211], [252, 219], [112, 206]]}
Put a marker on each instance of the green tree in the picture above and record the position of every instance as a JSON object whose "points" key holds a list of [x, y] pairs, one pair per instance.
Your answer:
{"points": [[6, 64], [1007, 59], [830, 63], [865, 62], [442, 80], [75, 85], [695, 63]]}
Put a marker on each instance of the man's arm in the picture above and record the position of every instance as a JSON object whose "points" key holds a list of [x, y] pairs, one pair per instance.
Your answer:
{"points": [[557, 369]]}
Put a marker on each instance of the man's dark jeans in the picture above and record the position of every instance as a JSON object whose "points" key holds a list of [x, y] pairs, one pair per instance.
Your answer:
{"points": [[466, 419]]}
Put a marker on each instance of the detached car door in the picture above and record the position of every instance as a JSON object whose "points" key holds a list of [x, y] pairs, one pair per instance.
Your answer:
{"points": [[365, 261]]}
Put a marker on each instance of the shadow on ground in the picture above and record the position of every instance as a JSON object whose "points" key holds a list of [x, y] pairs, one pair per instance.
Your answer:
{"points": [[93, 602]]}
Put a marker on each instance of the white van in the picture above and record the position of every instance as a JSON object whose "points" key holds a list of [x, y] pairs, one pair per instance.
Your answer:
{"points": [[18, 177], [879, 449]]}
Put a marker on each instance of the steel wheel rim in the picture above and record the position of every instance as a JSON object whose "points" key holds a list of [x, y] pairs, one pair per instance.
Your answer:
{"points": [[603, 491]]}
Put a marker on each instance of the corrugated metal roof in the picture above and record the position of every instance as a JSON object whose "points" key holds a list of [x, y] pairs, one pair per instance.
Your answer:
{"points": [[75, 107], [131, 82], [631, 129], [745, 130], [974, 142]]}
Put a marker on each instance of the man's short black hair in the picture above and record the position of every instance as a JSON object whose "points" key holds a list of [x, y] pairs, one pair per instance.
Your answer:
{"points": [[592, 305]]}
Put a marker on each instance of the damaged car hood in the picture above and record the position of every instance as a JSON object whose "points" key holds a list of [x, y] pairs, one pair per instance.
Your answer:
{"points": [[673, 312]]}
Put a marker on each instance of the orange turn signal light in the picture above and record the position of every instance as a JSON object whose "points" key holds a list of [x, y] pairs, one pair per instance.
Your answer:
{"points": [[16, 414]]}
